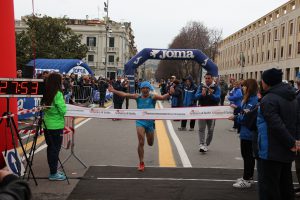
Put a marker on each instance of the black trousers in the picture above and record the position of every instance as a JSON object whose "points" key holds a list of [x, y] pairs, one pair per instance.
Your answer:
{"points": [[275, 180], [192, 123], [127, 102], [53, 140], [249, 161], [118, 105], [222, 99]]}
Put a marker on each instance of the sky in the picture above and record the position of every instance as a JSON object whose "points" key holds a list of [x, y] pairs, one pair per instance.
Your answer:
{"points": [[157, 22]]}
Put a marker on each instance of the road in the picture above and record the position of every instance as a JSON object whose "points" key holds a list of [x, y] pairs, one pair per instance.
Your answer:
{"points": [[109, 147]]}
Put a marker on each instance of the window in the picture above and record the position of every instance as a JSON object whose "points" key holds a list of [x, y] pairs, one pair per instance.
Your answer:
{"points": [[281, 52], [262, 56], [274, 53], [91, 41], [263, 38], [111, 42], [90, 58], [111, 58], [291, 27], [290, 50], [269, 36], [275, 34], [282, 31], [258, 40], [298, 49], [268, 55], [293, 5]]}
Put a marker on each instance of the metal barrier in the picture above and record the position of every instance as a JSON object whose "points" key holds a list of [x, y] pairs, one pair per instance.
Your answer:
{"points": [[82, 94]]}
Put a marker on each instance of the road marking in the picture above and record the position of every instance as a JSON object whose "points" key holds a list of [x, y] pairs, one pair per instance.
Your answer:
{"points": [[171, 179], [165, 154], [182, 154]]}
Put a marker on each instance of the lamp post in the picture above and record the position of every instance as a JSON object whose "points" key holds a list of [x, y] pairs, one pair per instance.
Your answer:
{"points": [[106, 33]]}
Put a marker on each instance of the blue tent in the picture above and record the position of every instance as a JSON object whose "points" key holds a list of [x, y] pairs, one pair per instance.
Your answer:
{"points": [[61, 65]]}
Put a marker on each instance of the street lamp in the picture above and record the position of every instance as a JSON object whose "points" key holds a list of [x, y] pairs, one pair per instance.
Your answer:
{"points": [[106, 33]]}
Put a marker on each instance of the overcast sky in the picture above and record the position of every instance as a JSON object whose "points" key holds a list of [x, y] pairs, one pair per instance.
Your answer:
{"points": [[156, 22]]}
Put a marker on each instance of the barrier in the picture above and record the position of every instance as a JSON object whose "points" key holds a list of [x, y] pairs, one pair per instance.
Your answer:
{"points": [[82, 94]]}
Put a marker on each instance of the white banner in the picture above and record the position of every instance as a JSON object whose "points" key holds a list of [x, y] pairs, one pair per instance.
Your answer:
{"points": [[209, 112]]}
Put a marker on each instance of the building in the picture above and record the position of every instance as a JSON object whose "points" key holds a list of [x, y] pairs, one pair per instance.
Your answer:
{"points": [[271, 41], [114, 41]]}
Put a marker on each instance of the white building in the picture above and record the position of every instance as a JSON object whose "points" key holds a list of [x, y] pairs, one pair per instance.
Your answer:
{"points": [[271, 41], [116, 41]]}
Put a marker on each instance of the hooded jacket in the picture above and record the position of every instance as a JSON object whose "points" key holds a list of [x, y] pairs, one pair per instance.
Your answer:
{"points": [[189, 93], [209, 99], [278, 124]]}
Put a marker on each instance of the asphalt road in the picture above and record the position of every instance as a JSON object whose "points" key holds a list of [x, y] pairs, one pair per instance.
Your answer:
{"points": [[114, 143]]}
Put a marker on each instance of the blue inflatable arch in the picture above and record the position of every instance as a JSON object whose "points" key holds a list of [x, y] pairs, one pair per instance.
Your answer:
{"points": [[168, 54]]}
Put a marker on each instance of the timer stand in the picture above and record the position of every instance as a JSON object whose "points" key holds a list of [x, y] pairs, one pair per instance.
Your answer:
{"points": [[10, 123]]}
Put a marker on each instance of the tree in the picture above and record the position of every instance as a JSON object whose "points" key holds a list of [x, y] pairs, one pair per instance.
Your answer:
{"points": [[193, 36], [47, 37]]}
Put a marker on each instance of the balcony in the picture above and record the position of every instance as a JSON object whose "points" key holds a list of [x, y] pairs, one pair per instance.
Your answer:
{"points": [[91, 48], [112, 49]]}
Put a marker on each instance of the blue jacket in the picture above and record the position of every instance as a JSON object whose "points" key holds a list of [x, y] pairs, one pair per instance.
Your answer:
{"points": [[278, 124], [245, 133], [235, 96], [209, 99], [189, 95]]}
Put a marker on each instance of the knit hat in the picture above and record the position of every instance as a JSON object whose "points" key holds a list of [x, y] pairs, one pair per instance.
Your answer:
{"points": [[146, 84], [272, 76]]}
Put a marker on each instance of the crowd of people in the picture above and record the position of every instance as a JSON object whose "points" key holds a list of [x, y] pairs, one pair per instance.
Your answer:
{"points": [[266, 116]]}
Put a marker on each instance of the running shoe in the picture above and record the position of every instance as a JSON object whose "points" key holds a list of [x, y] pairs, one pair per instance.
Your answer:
{"points": [[57, 177], [203, 148], [182, 129], [242, 183], [141, 167]]}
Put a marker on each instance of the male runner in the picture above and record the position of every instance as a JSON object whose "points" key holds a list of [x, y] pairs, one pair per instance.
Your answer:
{"points": [[145, 100]]}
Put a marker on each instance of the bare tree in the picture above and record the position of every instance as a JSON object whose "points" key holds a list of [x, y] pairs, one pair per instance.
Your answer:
{"points": [[195, 35]]}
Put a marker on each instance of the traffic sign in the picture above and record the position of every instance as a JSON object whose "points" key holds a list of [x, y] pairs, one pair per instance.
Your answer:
{"points": [[13, 162]]}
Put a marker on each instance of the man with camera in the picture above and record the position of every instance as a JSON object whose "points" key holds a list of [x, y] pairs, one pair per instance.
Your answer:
{"points": [[208, 94]]}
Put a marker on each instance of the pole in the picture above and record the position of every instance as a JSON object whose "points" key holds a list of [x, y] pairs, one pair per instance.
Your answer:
{"points": [[106, 32]]}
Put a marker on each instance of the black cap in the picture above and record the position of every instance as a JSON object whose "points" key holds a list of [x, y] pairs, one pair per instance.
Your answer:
{"points": [[272, 76]]}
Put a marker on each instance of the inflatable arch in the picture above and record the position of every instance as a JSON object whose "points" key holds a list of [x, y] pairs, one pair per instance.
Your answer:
{"points": [[168, 54]]}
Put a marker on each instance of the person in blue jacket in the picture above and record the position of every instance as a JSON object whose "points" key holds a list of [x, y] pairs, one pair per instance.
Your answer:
{"points": [[278, 124], [235, 97], [208, 94], [189, 91], [250, 100]]}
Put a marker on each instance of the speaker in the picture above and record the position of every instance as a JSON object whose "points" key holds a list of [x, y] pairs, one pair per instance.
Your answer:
{"points": [[27, 72]]}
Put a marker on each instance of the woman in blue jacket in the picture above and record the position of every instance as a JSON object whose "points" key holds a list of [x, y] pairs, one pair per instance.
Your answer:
{"points": [[250, 100], [235, 97]]}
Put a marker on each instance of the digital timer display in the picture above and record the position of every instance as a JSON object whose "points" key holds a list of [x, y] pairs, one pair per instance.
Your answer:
{"points": [[18, 87]]}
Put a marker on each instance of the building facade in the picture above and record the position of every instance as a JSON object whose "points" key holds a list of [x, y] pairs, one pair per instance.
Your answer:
{"points": [[111, 42], [271, 41]]}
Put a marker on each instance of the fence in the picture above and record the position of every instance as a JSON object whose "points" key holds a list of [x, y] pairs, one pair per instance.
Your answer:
{"points": [[83, 94]]}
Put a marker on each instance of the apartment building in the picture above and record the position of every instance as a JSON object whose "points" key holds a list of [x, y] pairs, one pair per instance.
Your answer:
{"points": [[271, 41], [113, 43]]}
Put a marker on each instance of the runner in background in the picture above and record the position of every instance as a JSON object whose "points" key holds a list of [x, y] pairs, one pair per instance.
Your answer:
{"points": [[145, 100]]}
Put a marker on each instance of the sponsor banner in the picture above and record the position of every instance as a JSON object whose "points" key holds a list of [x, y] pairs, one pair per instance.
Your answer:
{"points": [[209, 112]]}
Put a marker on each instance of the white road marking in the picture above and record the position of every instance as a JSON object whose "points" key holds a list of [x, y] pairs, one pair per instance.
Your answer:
{"points": [[170, 179], [182, 154]]}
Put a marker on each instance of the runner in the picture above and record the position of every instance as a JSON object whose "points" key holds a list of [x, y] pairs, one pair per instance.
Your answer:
{"points": [[145, 100]]}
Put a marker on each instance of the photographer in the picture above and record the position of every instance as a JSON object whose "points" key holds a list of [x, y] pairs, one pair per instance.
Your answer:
{"points": [[54, 123], [102, 87], [12, 188]]}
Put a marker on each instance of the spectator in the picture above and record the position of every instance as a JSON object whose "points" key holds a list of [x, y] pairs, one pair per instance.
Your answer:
{"points": [[297, 159], [189, 92], [235, 97], [208, 94], [118, 100], [19, 73], [12, 188], [249, 103], [176, 94], [278, 127], [163, 87], [102, 87], [126, 85], [224, 90]]}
